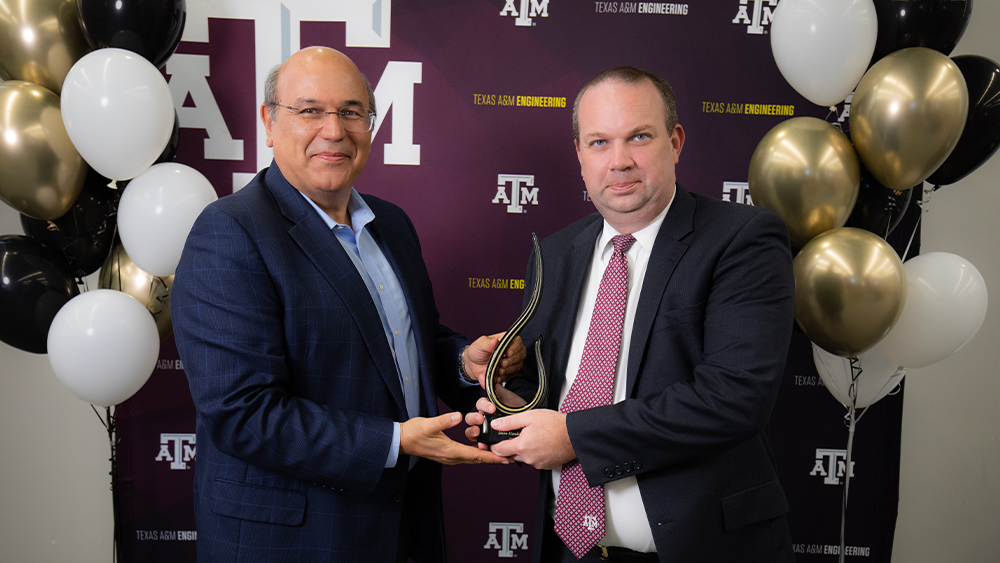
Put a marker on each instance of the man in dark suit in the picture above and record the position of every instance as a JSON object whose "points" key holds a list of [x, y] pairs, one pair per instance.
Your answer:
{"points": [[306, 322], [702, 331]]}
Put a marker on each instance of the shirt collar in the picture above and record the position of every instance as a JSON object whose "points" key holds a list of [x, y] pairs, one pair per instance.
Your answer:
{"points": [[644, 237], [357, 208]]}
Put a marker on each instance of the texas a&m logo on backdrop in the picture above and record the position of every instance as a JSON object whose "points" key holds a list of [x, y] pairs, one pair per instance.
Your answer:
{"points": [[831, 465], [528, 9], [178, 449], [755, 14], [522, 192], [506, 537], [738, 192]]}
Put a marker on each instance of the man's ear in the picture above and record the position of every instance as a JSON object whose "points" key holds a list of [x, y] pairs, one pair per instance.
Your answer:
{"points": [[265, 116], [677, 140]]}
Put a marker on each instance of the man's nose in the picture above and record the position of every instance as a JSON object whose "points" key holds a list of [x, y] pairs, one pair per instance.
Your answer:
{"points": [[332, 128], [621, 157]]}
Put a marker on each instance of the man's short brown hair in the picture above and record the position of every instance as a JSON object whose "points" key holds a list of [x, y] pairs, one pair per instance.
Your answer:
{"points": [[630, 75]]}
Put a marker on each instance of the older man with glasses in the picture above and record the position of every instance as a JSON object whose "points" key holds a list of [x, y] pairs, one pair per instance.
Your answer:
{"points": [[306, 322]]}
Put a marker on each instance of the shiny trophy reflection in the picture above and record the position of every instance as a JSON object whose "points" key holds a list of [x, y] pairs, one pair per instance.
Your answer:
{"points": [[495, 390]]}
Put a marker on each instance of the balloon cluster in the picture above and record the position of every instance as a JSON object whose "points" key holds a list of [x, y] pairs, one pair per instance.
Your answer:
{"points": [[87, 112], [916, 115]]}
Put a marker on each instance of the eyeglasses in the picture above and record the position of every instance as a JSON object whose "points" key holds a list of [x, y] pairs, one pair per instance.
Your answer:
{"points": [[353, 120]]}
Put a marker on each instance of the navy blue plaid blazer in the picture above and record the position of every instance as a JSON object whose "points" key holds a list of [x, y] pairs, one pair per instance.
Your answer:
{"points": [[296, 388]]}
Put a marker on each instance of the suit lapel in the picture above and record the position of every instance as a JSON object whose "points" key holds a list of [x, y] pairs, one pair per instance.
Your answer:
{"points": [[571, 269], [667, 252], [321, 246]]}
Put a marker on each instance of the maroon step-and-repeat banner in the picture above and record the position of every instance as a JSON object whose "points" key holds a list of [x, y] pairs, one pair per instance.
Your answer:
{"points": [[474, 141]]}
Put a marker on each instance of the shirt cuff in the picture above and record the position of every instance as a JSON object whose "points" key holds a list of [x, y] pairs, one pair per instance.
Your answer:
{"points": [[390, 461]]}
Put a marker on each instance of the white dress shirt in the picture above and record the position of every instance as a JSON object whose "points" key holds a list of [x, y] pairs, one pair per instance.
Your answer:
{"points": [[625, 522]]}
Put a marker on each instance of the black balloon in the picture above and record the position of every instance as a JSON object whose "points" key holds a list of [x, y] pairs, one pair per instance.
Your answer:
{"points": [[935, 24], [879, 209], [151, 28], [35, 283], [85, 235], [981, 135]]}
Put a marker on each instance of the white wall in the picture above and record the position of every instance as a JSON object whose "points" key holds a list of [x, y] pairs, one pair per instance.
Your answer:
{"points": [[55, 497], [949, 507], [55, 502]]}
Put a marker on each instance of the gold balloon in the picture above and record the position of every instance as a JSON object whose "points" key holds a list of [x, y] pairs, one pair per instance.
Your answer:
{"points": [[40, 40], [41, 173], [120, 273], [849, 290], [907, 115], [806, 171]]}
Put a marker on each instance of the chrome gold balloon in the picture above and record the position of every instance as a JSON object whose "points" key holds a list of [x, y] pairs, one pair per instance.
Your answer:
{"points": [[40, 40], [907, 115], [120, 273], [849, 290], [806, 171], [41, 173]]}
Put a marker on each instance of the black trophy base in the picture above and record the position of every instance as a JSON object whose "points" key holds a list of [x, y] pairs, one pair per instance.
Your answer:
{"points": [[489, 436]]}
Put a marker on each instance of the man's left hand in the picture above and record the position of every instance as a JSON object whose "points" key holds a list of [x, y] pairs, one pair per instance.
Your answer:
{"points": [[477, 356], [425, 437], [543, 443]]}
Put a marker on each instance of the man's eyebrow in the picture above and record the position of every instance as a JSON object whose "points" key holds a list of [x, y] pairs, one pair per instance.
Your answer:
{"points": [[315, 102], [644, 128]]}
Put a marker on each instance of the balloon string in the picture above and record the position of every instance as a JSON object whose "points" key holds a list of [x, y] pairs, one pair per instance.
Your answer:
{"points": [[152, 293], [852, 421], [899, 385], [923, 204], [852, 391], [895, 382], [847, 482], [116, 507], [117, 270], [99, 416], [907, 251]]}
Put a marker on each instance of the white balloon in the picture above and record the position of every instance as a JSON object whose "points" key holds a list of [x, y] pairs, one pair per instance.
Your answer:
{"points": [[103, 346], [879, 375], [945, 305], [156, 214], [118, 112], [822, 47]]}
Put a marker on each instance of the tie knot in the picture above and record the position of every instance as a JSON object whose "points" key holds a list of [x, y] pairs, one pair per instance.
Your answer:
{"points": [[622, 243]]}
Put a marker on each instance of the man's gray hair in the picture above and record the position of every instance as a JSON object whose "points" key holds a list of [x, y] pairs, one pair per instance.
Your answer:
{"points": [[271, 91], [630, 75]]}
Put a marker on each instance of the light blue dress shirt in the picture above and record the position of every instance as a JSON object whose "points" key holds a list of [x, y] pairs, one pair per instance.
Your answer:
{"points": [[387, 293]]}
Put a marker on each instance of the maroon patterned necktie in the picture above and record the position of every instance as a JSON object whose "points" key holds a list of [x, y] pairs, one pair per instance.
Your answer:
{"points": [[579, 517]]}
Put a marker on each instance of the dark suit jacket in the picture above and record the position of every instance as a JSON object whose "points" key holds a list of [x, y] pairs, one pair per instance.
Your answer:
{"points": [[708, 349], [296, 388]]}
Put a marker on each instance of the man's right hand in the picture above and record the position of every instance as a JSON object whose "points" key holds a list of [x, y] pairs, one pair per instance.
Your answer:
{"points": [[475, 421], [425, 437]]}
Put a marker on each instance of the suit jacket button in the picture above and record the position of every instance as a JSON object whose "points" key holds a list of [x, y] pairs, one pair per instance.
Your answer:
{"points": [[609, 472], [398, 497], [619, 470], [627, 466], [636, 465]]}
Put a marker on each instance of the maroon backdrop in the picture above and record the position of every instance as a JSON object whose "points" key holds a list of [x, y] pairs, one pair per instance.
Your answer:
{"points": [[491, 114]]}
